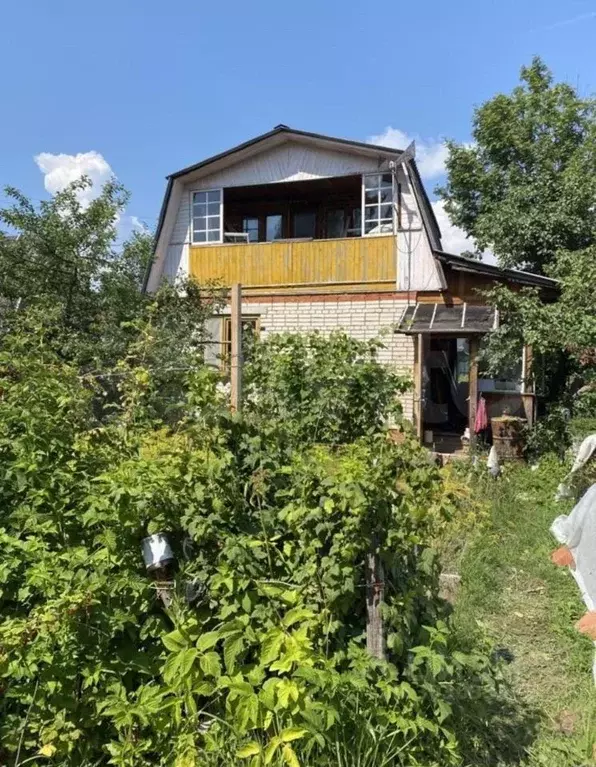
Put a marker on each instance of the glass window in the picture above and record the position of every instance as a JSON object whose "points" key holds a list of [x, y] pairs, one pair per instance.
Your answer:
{"points": [[273, 228], [250, 225], [336, 224], [206, 216], [250, 332], [378, 204], [304, 224]]}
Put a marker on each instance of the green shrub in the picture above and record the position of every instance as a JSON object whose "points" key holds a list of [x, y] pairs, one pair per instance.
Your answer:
{"points": [[261, 653]]}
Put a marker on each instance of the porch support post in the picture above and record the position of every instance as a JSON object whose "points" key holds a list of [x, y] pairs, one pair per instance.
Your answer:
{"points": [[473, 388], [418, 379], [528, 398]]}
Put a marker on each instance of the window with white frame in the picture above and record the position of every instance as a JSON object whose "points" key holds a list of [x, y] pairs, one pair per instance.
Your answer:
{"points": [[378, 203], [206, 216]]}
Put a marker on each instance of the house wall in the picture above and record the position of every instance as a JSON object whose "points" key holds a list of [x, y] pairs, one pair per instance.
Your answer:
{"points": [[363, 317], [418, 269]]}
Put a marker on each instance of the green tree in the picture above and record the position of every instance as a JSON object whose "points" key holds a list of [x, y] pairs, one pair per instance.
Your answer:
{"points": [[525, 188], [62, 259], [562, 331]]}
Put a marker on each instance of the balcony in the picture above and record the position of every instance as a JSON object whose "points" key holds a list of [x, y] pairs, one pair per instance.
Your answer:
{"points": [[367, 263]]}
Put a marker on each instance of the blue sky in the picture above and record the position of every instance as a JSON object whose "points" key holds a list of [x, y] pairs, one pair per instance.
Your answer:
{"points": [[141, 89]]}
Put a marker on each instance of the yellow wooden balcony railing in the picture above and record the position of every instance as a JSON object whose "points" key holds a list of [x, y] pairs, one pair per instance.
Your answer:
{"points": [[370, 262]]}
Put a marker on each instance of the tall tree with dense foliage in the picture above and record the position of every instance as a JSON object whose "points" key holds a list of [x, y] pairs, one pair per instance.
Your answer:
{"points": [[526, 187], [62, 258]]}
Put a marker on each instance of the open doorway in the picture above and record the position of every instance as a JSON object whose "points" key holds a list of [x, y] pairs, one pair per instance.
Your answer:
{"points": [[445, 384]]}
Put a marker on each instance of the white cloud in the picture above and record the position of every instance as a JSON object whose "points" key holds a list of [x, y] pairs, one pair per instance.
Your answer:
{"points": [[454, 239], [431, 154], [60, 170], [138, 225]]}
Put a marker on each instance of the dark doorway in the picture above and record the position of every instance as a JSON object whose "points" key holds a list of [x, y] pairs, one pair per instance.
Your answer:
{"points": [[446, 385]]}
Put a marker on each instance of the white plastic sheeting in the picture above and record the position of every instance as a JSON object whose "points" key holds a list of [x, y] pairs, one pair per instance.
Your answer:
{"points": [[578, 532], [585, 452], [493, 462]]}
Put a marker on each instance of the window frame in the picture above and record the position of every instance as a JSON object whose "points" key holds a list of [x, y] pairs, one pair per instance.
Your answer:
{"points": [[248, 231], [364, 205], [282, 227], [226, 330], [221, 216]]}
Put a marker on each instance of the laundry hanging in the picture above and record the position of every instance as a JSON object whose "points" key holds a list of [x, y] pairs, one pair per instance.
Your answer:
{"points": [[481, 422]]}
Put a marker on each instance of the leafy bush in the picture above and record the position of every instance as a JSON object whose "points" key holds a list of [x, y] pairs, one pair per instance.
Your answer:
{"points": [[550, 434], [329, 389], [261, 653]]}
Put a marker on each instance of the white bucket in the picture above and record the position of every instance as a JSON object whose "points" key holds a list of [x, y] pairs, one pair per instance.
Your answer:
{"points": [[157, 551]]}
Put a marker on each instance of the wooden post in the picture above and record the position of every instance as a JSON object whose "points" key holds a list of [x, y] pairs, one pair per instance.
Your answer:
{"points": [[375, 594], [236, 350], [473, 388], [418, 385], [527, 391]]}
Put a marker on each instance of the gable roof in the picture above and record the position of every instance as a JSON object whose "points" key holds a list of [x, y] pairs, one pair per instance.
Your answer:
{"points": [[283, 132]]}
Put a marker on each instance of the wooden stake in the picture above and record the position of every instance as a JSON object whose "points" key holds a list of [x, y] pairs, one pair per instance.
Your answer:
{"points": [[418, 386], [375, 593], [236, 350], [473, 388]]}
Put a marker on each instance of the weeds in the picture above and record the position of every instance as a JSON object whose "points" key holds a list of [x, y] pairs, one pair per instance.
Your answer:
{"points": [[514, 595]]}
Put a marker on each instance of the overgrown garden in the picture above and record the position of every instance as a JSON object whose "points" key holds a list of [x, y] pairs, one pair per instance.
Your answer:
{"points": [[112, 428]]}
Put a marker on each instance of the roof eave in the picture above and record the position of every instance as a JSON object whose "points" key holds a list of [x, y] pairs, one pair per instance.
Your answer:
{"points": [[461, 263]]}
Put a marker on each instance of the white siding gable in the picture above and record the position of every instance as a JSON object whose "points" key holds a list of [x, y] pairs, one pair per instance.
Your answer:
{"points": [[291, 161], [418, 268]]}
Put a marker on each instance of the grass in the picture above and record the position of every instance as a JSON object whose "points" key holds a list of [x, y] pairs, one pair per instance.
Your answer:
{"points": [[512, 592]]}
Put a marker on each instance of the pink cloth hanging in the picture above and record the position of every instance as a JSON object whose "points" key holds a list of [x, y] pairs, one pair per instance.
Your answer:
{"points": [[481, 422]]}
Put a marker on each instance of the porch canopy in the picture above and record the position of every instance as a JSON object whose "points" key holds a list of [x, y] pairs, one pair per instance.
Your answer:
{"points": [[461, 320]]}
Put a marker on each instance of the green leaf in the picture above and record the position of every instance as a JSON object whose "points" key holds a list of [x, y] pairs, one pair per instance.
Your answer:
{"points": [[250, 749], [271, 647], [296, 615], [187, 658], [270, 750], [247, 712], [204, 688], [290, 757], [292, 733], [208, 640], [232, 647], [174, 641], [211, 664], [246, 603]]}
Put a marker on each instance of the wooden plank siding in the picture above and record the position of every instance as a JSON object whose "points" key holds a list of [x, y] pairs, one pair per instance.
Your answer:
{"points": [[365, 261]]}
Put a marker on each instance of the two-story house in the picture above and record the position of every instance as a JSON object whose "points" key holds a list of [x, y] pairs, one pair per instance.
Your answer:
{"points": [[327, 233]]}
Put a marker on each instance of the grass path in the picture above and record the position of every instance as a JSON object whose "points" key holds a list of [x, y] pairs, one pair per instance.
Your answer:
{"points": [[511, 591]]}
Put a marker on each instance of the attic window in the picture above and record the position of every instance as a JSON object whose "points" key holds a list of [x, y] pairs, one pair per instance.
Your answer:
{"points": [[206, 216]]}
